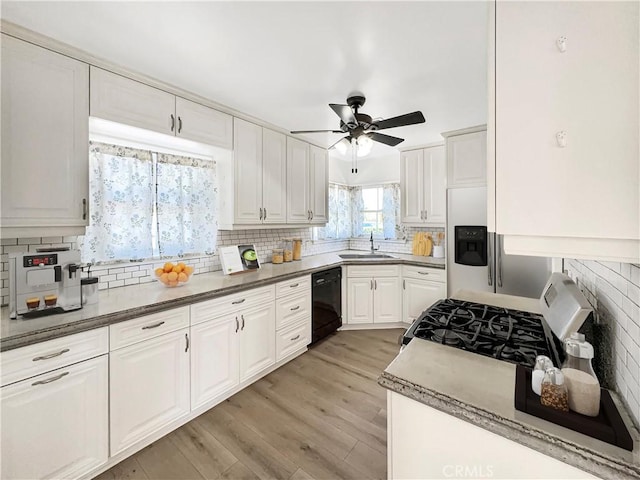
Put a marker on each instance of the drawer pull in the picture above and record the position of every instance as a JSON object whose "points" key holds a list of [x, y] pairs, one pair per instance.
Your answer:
{"points": [[51, 355], [155, 325], [49, 380], [293, 309], [294, 285], [423, 273], [295, 338], [238, 301]]}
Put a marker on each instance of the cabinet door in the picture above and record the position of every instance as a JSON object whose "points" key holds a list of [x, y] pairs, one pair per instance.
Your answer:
{"points": [[274, 176], [467, 160], [56, 425], [359, 300], [203, 124], [257, 340], [387, 300], [589, 188], [318, 186], [45, 137], [247, 154], [214, 359], [411, 185], [119, 99], [419, 295], [298, 210], [149, 387], [435, 186]]}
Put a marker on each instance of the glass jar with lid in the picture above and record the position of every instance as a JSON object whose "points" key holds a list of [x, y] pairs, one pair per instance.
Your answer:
{"points": [[297, 248], [287, 247], [582, 382], [277, 256]]}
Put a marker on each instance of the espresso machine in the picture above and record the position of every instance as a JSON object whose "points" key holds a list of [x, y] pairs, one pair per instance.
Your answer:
{"points": [[44, 282]]}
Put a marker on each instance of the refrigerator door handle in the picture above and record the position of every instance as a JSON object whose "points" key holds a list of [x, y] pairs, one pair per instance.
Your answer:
{"points": [[499, 260], [490, 260]]}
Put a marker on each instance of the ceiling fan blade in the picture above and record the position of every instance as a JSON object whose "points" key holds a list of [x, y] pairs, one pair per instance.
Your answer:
{"points": [[343, 139], [345, 113], [316, 131], [401, 121], [386, 139]]}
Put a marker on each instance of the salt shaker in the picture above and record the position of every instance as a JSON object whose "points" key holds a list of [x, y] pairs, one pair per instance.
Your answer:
{"points": [[542, 364], [553, 392], [582, 382]]}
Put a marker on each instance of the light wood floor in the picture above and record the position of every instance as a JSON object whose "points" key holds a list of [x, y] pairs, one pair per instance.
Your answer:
{"points": [[321, 416]]}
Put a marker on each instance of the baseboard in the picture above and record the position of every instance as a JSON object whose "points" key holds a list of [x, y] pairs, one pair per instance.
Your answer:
{"points": [[373, 326]]}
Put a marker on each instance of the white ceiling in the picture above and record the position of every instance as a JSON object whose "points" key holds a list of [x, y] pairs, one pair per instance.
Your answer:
{"points": [[284, 62]]}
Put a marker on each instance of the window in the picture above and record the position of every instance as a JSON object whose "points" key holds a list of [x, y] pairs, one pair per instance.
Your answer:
{"points": [[145, 204], [376, 209], [372, 210]]}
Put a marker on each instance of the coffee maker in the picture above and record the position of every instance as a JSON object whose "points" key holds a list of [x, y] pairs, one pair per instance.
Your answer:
{"points": [[44, 283]]}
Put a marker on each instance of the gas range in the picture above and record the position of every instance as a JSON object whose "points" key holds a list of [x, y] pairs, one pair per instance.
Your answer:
{"points": [[505, 334]]}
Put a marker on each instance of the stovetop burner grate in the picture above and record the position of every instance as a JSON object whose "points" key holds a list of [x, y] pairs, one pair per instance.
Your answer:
{"points": [[505, 334]]}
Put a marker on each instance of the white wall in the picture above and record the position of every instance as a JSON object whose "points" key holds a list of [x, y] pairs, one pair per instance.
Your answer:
{"points": [[371, 170]]}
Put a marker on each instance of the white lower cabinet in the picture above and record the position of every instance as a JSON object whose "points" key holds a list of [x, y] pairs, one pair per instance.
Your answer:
{"points": [[257, 340], [149, 387], [418, 295], [460, 449], [215, 363], [55, 425], [374, 294]]}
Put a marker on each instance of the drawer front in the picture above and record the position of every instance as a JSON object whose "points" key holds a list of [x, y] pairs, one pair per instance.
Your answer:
{"points": [[149, 326], [291, 309], [218, 307], [291, 287], [373, 271], [293, 338], [425, 273], [32, 360]]}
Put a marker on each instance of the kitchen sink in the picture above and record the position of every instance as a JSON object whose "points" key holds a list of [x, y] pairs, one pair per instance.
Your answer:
{"points": [[364, 256]]}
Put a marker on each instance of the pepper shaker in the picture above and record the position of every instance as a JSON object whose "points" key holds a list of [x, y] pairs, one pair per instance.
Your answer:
{"points": [[553, 392]]}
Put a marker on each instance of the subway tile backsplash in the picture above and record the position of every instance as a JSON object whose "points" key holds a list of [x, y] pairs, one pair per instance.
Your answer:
{"points": [[124, 274], [613, 289]]}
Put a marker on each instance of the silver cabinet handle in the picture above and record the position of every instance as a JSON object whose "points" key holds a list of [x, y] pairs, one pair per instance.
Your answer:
{"points": [[490, 260], [296, 337], [294, 285], [84, 209], [375, 284], [173, 122], [237, 324], [293, 309], [155, 325], [499, 260], [423, 273], [242, 317], [426, 214], [311, 214], [404, 285], [371, 284], [179, 124], [260, 213], [186, 337], [265, 214], [308, 214], [49, 380], [238, 301], [51, 355]]}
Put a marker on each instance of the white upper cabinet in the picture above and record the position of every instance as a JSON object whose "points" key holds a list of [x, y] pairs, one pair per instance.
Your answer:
{"points": [[126, 101], [298, 210], [318, 185], [203, 124], [423, 186], [45, 141], [566, 156], [247, 153], [467, 157], [274, 177]]}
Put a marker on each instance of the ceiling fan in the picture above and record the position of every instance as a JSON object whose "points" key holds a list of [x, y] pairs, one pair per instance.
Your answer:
{"points": [[362, 128]]}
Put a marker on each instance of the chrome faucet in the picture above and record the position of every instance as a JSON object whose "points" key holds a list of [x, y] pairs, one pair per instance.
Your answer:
{"points": [[373, 250]]}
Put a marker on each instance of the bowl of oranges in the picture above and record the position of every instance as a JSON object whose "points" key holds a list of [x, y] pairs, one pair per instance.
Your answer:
{"points": [[174, 275]]}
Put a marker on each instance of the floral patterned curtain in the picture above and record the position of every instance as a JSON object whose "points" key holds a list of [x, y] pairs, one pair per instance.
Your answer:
{"points": [[357, 206], [390, 209], [339, 219], [120, 204], [186, 205]]}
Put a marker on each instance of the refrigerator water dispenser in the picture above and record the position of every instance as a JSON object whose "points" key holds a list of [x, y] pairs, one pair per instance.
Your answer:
{"points": [[471, 245]]}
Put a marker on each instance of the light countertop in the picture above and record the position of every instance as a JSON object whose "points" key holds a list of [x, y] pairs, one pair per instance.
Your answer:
{"points": [[480, 390], [120, 304]]}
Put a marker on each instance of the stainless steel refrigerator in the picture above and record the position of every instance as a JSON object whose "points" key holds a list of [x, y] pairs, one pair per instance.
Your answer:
{"points": [[476, 258]]}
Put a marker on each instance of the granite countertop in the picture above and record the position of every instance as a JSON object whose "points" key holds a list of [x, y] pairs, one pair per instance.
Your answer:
{"points": [[120, 304], [480, 390]]}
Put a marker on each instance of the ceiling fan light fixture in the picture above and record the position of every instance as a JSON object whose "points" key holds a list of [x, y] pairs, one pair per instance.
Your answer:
{"points": [[341, 147], [365, 145]]}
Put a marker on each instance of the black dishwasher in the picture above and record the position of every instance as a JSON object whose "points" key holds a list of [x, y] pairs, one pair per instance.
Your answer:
{"points": [[326, 295]]}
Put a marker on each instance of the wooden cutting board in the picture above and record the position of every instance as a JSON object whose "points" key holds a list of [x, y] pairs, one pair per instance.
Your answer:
{"points": [[422, 244]]}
